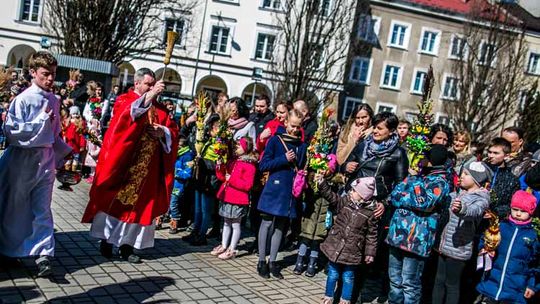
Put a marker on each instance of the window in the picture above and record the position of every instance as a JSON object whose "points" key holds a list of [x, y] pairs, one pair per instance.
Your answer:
{"points": [[487, 54], [360, 70], [443, 119], [175, 25], [450, 88], [316, 52], [385, 107], [271, 4], [219, 40], [391, 77], [429, 44], [369, 27], [458, 47], [30, 10], [533, 66], [399, 35], [325, 7], [411, 116], [418, 82], [265, 46], [350, 105]]}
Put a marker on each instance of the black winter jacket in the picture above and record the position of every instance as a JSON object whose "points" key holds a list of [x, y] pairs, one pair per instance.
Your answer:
{"points": [[388, 170], [504, 184], [260, 121]]}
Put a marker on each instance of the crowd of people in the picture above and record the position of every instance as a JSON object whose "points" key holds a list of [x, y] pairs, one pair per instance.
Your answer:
{"points": [[462, 218]]}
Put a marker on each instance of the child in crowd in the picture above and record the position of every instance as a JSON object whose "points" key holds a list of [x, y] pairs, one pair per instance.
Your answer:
{"points": [[457, 238], [413, 226], [237, 178], [314, 228], [206, 184], [353, 237], [93, 146], [182, 174], [514, 275], [73, 135]]}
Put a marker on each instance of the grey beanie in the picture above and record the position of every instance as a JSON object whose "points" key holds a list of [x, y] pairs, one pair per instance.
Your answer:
{"points": [[480, 172]]}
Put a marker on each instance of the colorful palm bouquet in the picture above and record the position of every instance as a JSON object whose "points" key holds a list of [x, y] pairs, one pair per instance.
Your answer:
{"points": [[319, 155], [224, 136], [72, 81], [418, 141], [95, 107]]}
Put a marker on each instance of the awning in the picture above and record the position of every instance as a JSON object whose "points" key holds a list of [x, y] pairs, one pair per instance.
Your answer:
{"points": [[87, 64]]}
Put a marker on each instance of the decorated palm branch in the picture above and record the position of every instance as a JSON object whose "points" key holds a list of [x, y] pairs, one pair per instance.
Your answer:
{"points": [[320, 147], [224, 135], [202, 102], [72, 81], [418, 141], [492, 239]]}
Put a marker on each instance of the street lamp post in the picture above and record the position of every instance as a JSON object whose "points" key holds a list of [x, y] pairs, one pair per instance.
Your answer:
{"points": [[257, 76], [199, 50]]}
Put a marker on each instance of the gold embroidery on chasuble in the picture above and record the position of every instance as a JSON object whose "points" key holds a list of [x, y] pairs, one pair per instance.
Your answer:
{"points": [[129, 194]]}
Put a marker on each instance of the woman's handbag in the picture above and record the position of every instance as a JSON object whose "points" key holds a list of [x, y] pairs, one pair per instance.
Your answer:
{"points": [[300, 178]]}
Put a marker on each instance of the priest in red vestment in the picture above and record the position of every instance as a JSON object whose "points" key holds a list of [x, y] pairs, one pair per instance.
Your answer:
{"points": [[135, 171]]}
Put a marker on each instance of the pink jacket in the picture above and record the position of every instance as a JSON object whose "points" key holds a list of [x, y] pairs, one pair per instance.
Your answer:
{"points": [[242, 173]]}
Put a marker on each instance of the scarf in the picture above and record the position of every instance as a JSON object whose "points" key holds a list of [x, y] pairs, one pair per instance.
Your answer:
{"points": [[294, 140], [182, 151], [373, 150], [520, 223], [237, 124]]}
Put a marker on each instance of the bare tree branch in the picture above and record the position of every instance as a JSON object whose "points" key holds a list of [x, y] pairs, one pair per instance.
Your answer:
{"points": [[109, 30], [490, 73], [314, 43]]}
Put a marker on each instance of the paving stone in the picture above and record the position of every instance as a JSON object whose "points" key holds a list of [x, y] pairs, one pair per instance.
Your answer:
{"points": [[172, 272]]}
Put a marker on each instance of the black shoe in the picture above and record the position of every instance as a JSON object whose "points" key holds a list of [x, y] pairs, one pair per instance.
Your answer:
{"points": [[253, 248], [299, 267], [262, 269], [275, 270], [190, 237], [127, 254], [312, 268], [44, 269], [106, 249], [199, 240], [134, 259]]}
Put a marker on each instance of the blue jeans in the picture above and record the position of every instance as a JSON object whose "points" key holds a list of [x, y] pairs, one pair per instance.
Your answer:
{"points": [[405, 272], [203, 211], [174, 206], [346, 272]]}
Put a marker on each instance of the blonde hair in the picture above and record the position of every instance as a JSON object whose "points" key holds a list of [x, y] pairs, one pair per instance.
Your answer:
{"points": [[466, 138], [91, 87]]}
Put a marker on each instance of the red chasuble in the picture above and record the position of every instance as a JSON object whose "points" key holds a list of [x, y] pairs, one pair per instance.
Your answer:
{"points": [[134, 176]]}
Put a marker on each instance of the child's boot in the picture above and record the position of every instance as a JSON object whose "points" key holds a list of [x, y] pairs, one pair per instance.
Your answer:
{"points": [[173, 226], [312, 267], [299, 266], [74, 166], [67, 166], [159, 223]]}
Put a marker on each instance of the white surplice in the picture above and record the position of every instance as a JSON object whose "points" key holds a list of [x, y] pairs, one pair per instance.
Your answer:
{"points": [[27, 172]]}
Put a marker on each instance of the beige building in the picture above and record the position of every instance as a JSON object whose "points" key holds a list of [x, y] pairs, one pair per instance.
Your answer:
{"points": [[398, 42]]}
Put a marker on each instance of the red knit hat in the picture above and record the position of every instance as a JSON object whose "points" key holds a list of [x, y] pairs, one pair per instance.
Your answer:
{"points": [[524, 201]]}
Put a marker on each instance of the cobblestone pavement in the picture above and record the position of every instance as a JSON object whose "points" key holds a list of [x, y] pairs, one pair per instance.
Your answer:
{"points": [[172, 272]]}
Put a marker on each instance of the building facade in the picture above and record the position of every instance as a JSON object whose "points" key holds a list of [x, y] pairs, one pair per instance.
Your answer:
{"points": [[224, 45], [400, 39]]}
